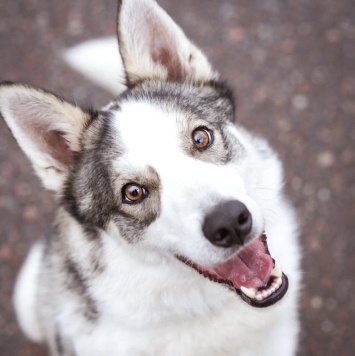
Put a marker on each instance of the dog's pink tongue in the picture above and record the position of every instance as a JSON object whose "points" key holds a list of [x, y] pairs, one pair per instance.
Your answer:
{"points": [[251, 268]]}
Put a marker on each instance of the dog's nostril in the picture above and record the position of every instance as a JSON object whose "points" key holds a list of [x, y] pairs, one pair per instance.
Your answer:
{"points": [[243, 217], [223, 236]]}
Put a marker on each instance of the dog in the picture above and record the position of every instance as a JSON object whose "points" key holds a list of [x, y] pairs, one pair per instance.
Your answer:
{"points": [[173, 235]]}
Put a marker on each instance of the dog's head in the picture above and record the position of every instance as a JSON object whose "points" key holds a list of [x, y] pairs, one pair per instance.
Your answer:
{"points": [[163, 163]]}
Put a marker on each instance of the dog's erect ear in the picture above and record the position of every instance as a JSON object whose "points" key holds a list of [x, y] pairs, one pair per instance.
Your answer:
{"points": [[46, 127], [154, 47]]}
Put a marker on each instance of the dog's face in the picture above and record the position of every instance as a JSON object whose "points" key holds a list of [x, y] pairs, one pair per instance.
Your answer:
{"points": [[163, 164], [175, 164]]}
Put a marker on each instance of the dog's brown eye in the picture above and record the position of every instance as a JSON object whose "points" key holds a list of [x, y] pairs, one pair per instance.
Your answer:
{"points": [[202, 138], [133, 193]]}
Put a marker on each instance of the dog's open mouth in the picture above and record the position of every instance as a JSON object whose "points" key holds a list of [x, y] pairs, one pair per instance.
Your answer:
{"points": [[252, 273]]}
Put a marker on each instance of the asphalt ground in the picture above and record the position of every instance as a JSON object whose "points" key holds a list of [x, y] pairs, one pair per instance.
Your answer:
{"points": [[292, 66]]}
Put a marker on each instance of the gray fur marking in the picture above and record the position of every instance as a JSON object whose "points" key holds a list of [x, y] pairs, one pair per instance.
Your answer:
{"points": [[210, 102], [77, 283], [58, 342], [132, 219]]}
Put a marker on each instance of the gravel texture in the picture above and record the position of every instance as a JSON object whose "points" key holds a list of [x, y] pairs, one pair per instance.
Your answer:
{"points": [[292, 65]]}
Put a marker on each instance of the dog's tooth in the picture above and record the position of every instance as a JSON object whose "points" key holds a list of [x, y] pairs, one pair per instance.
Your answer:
{"points": [[259, 297], [264, 294], [277, 271], [278, 282], [249, 292]]}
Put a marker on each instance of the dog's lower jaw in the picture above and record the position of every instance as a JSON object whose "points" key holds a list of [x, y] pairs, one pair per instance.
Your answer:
{"points": [[266, 296]]}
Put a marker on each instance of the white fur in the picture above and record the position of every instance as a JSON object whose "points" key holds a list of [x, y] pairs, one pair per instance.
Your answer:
{"points": [[151, 304], [188, 192], [26, 295], [92, 58]]}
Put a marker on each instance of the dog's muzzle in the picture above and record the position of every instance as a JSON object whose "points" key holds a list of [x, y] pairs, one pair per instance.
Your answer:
{"points": [[252, 272]]}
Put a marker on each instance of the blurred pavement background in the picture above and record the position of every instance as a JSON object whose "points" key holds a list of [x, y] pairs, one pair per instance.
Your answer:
{"points": [[292, 65]]}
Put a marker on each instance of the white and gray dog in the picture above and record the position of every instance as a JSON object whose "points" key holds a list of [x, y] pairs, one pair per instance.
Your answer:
{"points": [[167, 212]]}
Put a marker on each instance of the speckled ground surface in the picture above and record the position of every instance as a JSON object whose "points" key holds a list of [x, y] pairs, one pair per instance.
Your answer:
{"points": [[292, 64]]}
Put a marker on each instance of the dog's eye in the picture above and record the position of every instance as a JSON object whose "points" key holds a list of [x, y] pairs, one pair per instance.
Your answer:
{"points": [[202, 138], [133, 193]]}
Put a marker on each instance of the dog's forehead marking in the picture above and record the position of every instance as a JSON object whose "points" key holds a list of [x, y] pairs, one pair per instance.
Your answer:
{"points": [[148, 132], [154, 137]]}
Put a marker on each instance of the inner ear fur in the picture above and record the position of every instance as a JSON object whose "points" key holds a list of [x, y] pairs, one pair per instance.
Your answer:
{"points": [[154, 47], [47, 128]]}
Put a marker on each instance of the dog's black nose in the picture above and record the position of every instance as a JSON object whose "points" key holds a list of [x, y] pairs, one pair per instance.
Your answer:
{"points": [[228, 224]]}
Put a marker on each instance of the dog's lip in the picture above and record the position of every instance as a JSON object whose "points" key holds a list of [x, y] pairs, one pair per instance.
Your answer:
{"points": [[267, 294]]}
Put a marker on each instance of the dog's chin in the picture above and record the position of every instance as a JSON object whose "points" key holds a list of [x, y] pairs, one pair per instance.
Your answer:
{"points": [[252, 273]]}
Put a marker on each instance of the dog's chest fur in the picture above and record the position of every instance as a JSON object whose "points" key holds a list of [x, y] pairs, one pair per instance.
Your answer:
{"points": [[161, 309]]}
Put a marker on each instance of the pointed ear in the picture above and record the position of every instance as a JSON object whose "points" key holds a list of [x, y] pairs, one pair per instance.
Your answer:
{"points": [[154, 47], [47, 128]]}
